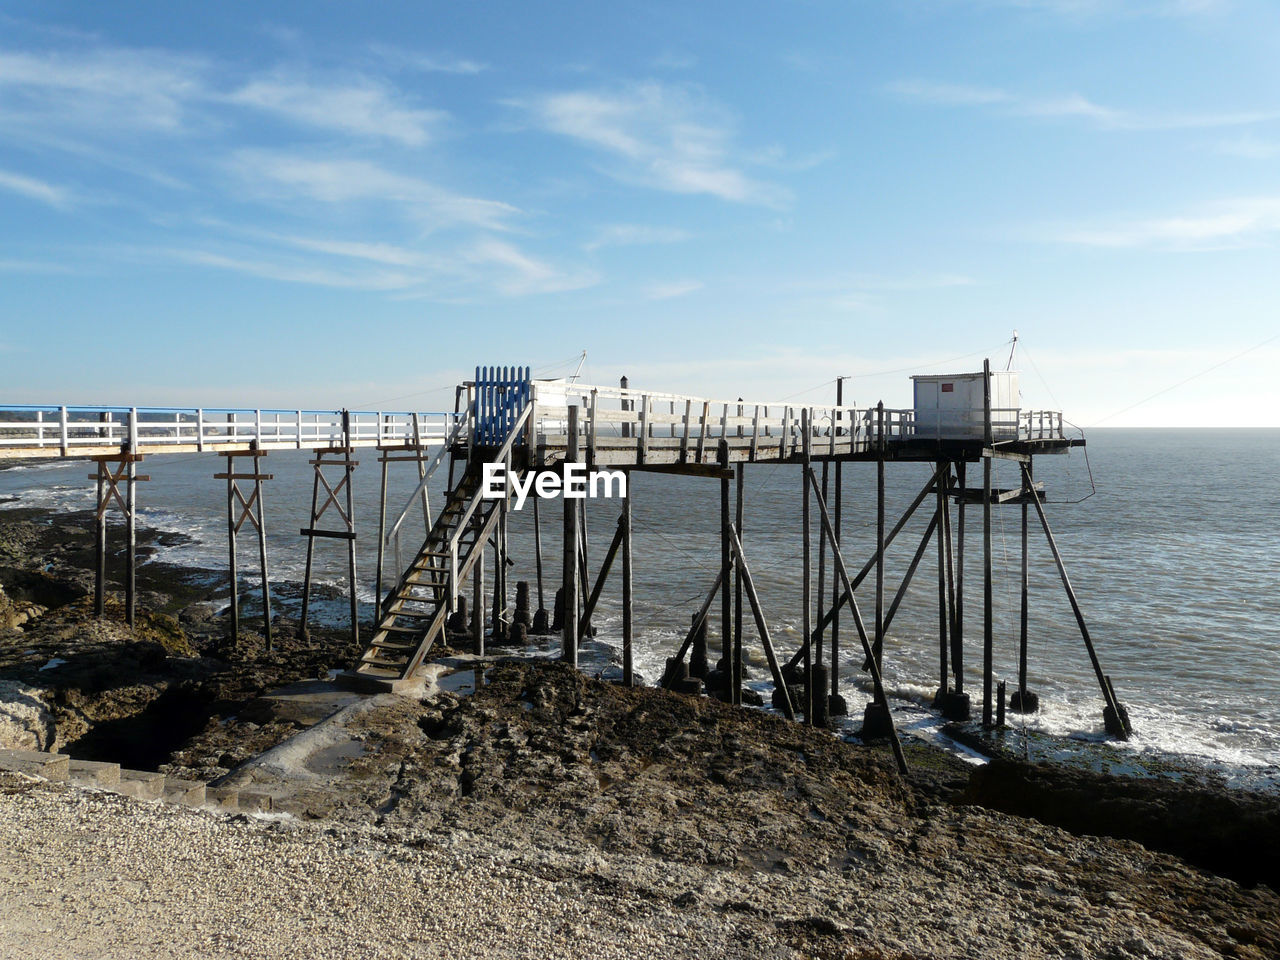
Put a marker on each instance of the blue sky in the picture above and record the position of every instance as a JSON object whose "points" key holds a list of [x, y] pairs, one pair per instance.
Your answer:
{"points": [[334, 204]]}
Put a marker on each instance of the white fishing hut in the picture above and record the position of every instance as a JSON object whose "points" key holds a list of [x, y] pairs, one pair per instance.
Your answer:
{"points": [[953, 406]]}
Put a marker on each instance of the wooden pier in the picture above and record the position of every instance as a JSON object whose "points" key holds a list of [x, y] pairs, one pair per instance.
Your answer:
{"points": [[532, 428]]}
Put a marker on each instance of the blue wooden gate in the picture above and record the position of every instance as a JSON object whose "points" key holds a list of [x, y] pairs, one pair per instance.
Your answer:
{"points": [[501, 396]]}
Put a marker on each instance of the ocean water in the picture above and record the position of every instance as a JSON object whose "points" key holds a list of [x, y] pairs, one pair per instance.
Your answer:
{"points": [[1175, 559]]}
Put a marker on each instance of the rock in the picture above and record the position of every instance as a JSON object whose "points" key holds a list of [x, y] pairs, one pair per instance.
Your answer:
{"points": [[25, 720]]}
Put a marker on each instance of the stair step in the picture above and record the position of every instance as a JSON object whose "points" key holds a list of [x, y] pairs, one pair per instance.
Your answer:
{"points": [[253, 801], [384, 664], [94, 772], [51, 766], [389, 645], [189, 792], [140, 784], [224, 798], [394, 629]]}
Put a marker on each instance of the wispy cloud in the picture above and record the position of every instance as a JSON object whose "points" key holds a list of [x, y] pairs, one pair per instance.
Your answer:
{"points": [[104, 89], [669, 291], [524, 274], [665, 137], [1233, 223], [1071, 105], [34, 189], [635, 234], [361, 107], [343, 181], [401, 59]]}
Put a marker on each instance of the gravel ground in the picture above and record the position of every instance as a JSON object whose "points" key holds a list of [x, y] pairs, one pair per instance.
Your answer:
{"points": [[93, 875]]}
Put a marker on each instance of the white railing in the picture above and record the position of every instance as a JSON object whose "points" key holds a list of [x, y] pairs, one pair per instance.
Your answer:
{"points": [[35, 431]]}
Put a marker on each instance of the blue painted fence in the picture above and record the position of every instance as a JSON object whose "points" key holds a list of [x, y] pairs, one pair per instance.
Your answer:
{"points": [[500, 397]]}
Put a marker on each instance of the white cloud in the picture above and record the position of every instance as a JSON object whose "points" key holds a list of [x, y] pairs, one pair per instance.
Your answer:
{"points": [[1072, 105], [34, 189], [664, 137], [398, 58], [346, 181], [634, 234], [1229, 224], [669, 291], [522, 274], [106, 89], [295, 272], [360, 107]]}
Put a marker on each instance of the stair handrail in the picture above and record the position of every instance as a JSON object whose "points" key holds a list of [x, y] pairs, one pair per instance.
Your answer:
{"points": [[502, 456], [452, 438]]}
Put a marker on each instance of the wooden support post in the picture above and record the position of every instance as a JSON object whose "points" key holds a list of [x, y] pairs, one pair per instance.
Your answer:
{"points": [[957, 627], [345, 514], [100, 545], [699, 618], [726, 610], [987, 627], [1117, 722], [779, 682], [806, 425], [735, 668], [879, 644], [584, 573], [569, 645], [262, 550], [311, 546], [231, 546], [835, 583], [1023, 699], [537, 552], [618, 535], [477, 594], [943, 607], [378, 598], [822, 568], [876, 679], [870, 565], [131, 535], [628, 675]]}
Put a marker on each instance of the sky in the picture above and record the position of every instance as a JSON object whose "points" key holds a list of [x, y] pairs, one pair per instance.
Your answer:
{"points": [[326, 204]]}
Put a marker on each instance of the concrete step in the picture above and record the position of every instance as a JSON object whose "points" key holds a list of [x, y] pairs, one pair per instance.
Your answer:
{"points": [[94, 773], [51, 766], [188, 792], [222, 798], [140, 784], [254, 801]]}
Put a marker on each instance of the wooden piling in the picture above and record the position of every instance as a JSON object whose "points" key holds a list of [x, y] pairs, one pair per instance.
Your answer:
{"points": [[876, 679], [569, 645], [735, 669], [987, 592], [942, 588], [806, 425], [100, 546], [957, 627], [1121, 727], [477, 594], [131, 538], [880, 545], [835, 583], [628, 676], [726, 609], [775, 670], [1022, 625]]}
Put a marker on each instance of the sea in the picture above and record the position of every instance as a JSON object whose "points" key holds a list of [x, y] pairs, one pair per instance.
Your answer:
{"points": [[1171, 540]]}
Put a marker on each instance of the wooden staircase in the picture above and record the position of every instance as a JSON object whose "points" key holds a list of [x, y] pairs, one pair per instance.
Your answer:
{"points": [[415, 610]]}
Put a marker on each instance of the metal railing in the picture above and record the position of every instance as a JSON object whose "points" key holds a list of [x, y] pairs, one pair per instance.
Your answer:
{"points": [[52, 431]]}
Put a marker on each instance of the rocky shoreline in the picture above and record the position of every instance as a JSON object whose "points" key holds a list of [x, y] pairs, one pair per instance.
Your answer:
{"points": [[664, 823]]}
